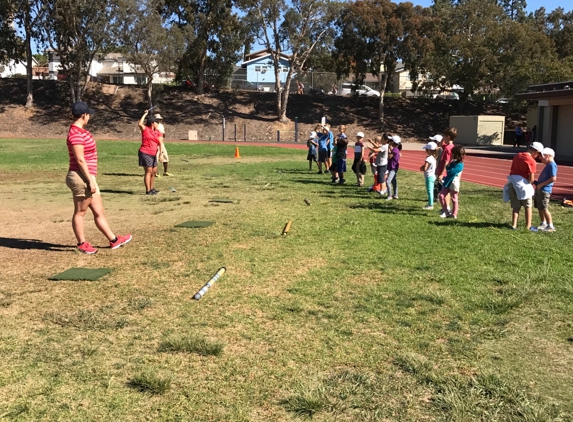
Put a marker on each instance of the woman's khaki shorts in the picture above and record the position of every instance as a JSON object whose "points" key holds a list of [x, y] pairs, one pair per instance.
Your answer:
{"points": [[79, 187]]}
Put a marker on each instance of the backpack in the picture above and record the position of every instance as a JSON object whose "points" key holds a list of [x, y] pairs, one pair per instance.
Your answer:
{"points": [[567, 203]]}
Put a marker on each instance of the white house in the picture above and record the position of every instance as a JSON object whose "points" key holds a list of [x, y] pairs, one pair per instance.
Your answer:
{"points": [[12, 68], [114, 69]]}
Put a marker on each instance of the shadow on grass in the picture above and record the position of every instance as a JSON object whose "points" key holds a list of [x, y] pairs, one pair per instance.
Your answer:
{"points": [[16, 243], [475, 225], [124, 174], [120, 192]]}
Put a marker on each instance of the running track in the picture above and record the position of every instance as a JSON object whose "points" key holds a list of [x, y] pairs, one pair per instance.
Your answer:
{"points": [[481, 170]]}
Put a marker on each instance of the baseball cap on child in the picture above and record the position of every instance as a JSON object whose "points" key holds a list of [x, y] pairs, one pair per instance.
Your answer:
{"points": [[312, 135], [360, 134], [537, 146], [437, 138], [396, 139], [431, 146], [548, 151]]}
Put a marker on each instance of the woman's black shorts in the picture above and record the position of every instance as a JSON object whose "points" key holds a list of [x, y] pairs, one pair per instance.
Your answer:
{"points": [[146, 160]]}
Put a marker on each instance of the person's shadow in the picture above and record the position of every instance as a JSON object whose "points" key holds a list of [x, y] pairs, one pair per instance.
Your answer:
{"points": [[15, 243]]}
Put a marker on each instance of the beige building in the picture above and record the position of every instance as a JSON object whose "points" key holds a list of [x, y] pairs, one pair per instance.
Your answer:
{"points": [[554, 117]]}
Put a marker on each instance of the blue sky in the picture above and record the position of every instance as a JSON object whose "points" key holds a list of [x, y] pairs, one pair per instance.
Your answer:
{"points": [[532, 5]]}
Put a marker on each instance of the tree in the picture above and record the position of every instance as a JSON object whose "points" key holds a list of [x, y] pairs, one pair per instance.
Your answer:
{"points": [[215, 37], [11, 47], [76, 31], [28, 15], [515, 9], [560, 29], [294, 27], [467, 46], [147, 43], [374, 34]]}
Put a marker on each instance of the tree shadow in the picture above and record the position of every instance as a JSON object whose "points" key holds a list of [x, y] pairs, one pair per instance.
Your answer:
{"points": [[123, 174], [473, 225], [119, 192], [26, 244]]}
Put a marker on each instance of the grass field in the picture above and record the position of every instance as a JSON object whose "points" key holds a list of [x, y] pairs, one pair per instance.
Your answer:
{"points": [[367, 310]]}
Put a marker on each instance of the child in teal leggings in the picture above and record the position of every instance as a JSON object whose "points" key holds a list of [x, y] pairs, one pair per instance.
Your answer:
{"points": [[429, 169]]}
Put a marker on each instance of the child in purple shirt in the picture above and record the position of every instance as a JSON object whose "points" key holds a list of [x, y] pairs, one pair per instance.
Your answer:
{"points": [[393, 166]]}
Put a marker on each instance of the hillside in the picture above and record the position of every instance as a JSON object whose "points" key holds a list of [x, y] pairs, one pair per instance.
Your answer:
{"points": [[119, 107]]}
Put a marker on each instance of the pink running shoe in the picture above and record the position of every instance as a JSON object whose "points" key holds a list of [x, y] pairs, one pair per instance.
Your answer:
{"points": [[121, 240], [87, 248]]}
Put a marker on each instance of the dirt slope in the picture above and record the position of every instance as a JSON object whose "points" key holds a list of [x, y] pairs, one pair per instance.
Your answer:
{"points": [[119, 107]]}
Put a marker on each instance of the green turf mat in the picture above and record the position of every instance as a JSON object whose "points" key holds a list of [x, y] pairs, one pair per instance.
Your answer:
{"points": [[195, 224], [223, 200], [75, 274]]}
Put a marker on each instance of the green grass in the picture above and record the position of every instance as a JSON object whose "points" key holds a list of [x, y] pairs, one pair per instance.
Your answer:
{"points": [[365, 311]]}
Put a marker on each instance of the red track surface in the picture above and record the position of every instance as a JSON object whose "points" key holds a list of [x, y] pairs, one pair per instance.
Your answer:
{"points": [[481, 170]]}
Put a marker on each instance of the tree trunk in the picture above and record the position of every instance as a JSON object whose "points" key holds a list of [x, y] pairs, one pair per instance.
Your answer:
{"points": [[284, 101], [201, 77], [29, 71], [382, 88], [150, 91]]}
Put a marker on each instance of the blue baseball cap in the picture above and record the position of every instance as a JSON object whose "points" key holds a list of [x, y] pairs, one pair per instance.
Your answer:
{"points": [[81, 108]]}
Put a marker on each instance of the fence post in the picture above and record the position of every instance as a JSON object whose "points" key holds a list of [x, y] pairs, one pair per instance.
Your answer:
{"points": [[278, 135], [235, 132], [245, 132], [296, 129], [223, 129]]}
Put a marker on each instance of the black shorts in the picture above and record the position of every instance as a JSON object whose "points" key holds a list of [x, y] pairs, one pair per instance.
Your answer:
{"points": [[311, 157], [146, 160], [322, 155]]}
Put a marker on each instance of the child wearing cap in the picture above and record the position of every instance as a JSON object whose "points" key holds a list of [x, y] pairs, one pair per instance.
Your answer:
{"points": [[543, 189], [429, 169], [323, 149], [519, 189], [451, 182], [359, 166], [312, 144], [393, 166]]}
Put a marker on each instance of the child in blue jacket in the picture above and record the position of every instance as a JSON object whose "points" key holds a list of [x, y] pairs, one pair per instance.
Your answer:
{"points": [[451, 182]]}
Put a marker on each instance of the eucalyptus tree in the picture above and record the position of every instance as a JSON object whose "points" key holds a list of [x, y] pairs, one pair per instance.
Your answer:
{"points": [[149, 45], [11, 47], [375, 34], [77, 31], [28, 15], [290, 30], [214, 37]]}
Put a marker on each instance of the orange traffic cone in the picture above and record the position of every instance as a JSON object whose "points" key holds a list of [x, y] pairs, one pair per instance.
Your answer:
{"points": [[237, 155]]}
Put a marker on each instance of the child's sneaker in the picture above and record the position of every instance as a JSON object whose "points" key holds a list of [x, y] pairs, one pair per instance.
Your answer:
{"points": [[342, 181], [542, 226], [444, 214], [429, 207], [549, 229], [451, 216], [389, 198], [120, 241], [87, 248], [533, 229], [167, 174]]}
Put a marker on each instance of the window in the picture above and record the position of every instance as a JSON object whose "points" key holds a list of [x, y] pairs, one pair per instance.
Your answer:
{"points": [[117, 79], [264, 69], [285, 69], [141, 80], [257, 68]]}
